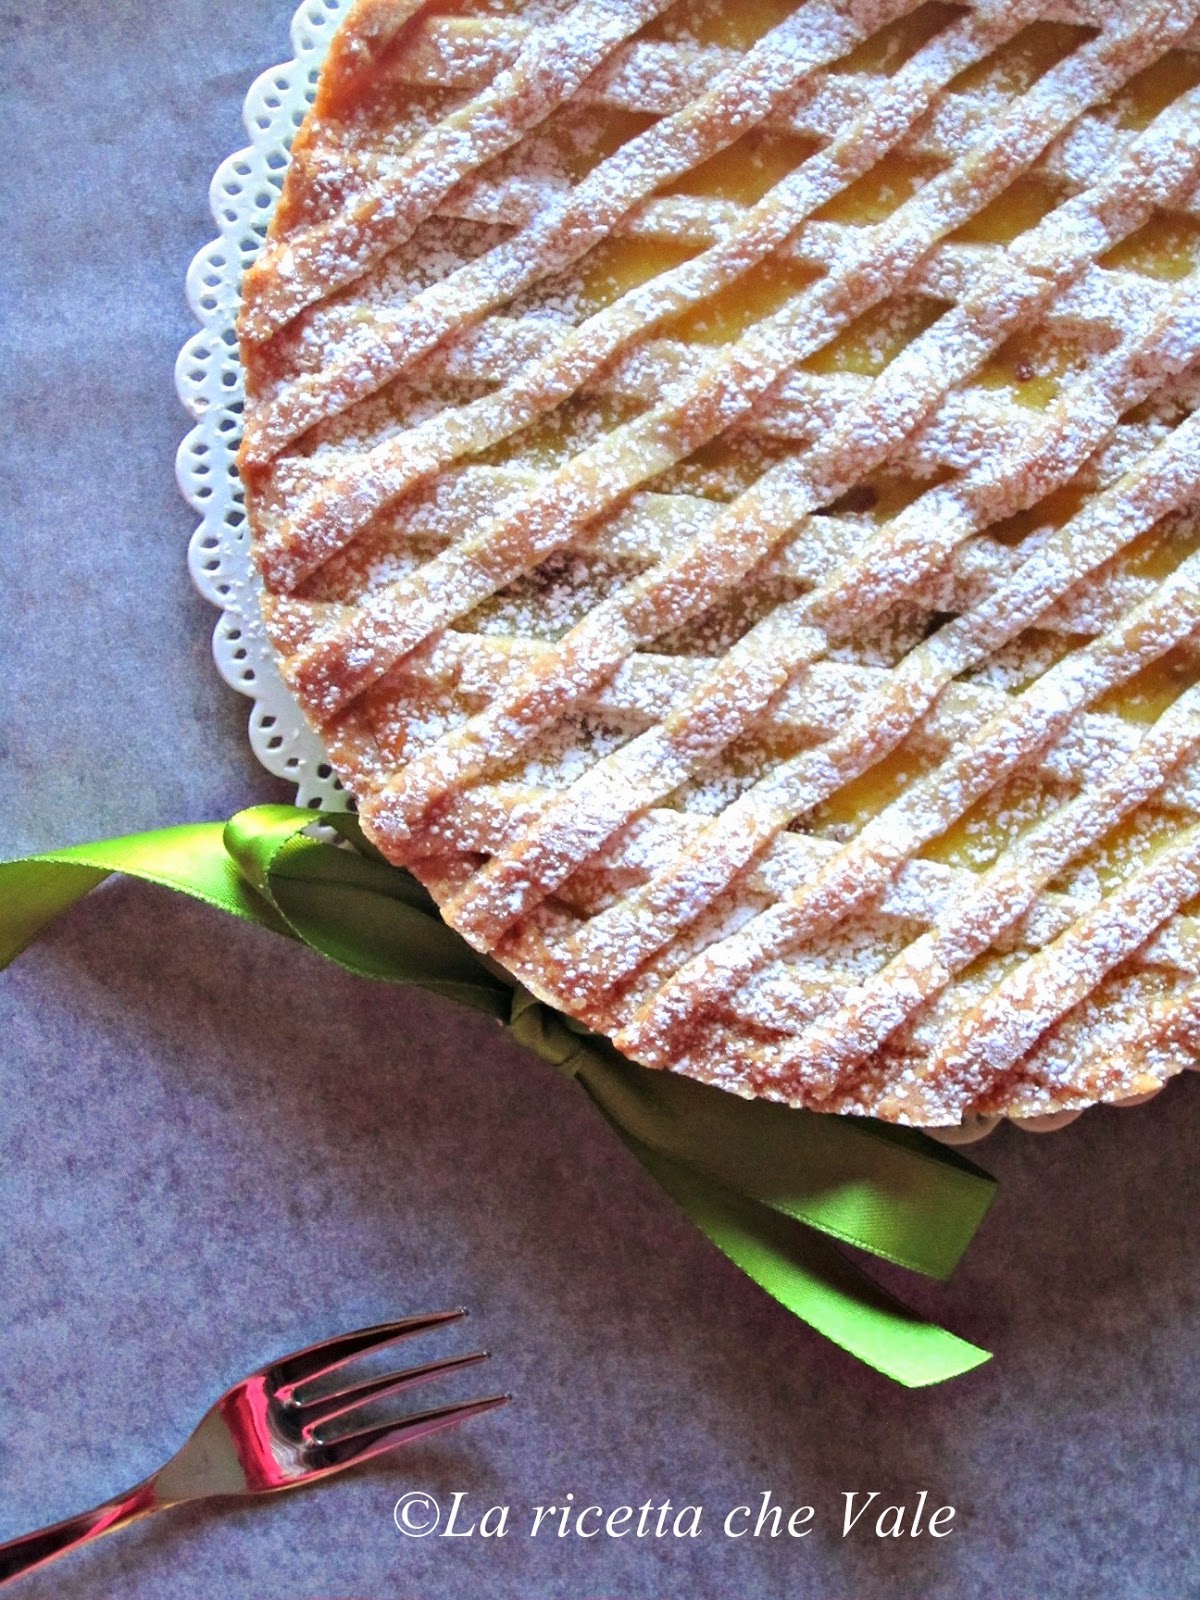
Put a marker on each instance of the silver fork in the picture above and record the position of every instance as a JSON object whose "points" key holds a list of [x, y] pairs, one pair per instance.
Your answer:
{"points": [[265, 1435]]}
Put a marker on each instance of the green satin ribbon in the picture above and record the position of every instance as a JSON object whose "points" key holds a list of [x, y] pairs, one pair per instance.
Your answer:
{"points": [[772, 1188]]}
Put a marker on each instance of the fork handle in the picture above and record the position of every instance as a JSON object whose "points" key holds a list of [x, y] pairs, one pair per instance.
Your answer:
{"points": [[34, 1550]]}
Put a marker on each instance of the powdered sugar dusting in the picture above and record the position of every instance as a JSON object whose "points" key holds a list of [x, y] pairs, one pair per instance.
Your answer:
{"points": [[729, 483]]}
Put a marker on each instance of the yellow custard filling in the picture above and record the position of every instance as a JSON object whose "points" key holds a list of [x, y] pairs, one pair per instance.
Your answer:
{"points": [[633, 700]]}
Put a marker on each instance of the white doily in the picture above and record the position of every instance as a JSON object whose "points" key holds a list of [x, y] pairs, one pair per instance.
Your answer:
{"points": [[208, 377]]}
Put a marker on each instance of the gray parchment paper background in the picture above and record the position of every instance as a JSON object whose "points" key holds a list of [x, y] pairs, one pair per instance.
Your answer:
{"points": [[213, 1148]]}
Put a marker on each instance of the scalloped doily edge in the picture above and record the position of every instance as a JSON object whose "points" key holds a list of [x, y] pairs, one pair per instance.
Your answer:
{"points": [[208, 380]]}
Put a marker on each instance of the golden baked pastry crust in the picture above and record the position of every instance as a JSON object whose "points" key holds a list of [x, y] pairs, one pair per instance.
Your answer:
{"points": [[725, 487]]}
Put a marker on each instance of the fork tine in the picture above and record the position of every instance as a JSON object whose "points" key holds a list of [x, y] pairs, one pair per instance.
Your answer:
{"points": [[371, 1442], [318, 1360], [314, 1413]]}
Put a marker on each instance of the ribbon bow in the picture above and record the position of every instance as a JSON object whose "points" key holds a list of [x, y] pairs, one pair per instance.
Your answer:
{"points": [[773, 1188]]}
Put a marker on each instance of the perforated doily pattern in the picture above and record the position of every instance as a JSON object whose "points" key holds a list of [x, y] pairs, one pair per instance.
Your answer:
{"points": [[208, 377]]}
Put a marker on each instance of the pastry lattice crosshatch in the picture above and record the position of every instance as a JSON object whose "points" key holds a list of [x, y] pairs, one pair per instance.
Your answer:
{"points": [[724, 480]]}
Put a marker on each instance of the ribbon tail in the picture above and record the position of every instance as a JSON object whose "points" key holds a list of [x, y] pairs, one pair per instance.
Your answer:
{"points": [[190, 859], [814, 1280], [33, 894]]}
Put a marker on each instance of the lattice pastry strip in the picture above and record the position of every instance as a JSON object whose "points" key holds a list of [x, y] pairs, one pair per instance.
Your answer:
{"points": [[725, 487]]}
